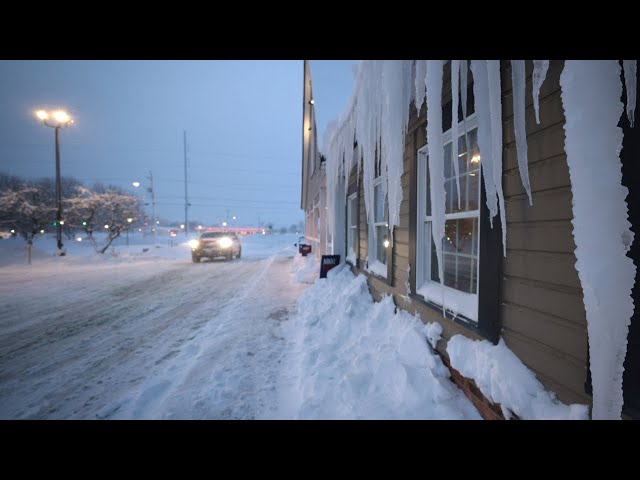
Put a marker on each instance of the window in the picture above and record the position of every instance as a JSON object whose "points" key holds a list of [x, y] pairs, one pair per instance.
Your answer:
{"points": [[460, 247], [379, 232], [352, 228]]}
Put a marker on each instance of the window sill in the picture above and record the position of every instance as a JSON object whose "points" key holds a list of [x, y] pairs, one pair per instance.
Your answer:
{"points": [[459, 319]]}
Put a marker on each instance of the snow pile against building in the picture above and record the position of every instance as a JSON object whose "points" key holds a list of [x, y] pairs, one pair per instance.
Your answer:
{"points": [[353, 358], [305, 269], [505, 380]]}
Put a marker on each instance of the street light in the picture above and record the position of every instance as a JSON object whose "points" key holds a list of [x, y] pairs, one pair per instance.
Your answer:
{"points": [[58, 119]]}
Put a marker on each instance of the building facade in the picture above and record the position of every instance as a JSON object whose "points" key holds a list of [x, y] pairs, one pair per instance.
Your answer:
{"points": [[527, 292]]}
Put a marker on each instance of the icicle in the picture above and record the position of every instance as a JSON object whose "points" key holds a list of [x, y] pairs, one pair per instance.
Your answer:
{"points": [[591, 92], [421, 73], [495, 108], [540, 68], [519, 125], [394, 119], [455, 74], [630, 72], [463, 83], [436, 157], [481, 96]]}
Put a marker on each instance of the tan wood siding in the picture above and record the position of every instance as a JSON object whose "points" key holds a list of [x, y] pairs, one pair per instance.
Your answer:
{"points": [[541, 309]]}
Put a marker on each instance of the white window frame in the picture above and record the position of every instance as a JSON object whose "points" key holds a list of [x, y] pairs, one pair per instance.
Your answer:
{"points": [[352, 226], [467, 302], [373, 238]]}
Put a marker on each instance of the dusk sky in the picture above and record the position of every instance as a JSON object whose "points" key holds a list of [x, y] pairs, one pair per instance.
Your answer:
{"points": [[242, 118]]}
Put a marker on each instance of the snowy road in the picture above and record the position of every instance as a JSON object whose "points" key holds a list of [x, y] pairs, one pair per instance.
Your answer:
{"points": [[161, 339]]}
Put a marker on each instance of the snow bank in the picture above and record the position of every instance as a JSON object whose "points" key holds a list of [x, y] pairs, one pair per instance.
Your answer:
{"points": [[305, 269], [504, 379], [353, 358]]}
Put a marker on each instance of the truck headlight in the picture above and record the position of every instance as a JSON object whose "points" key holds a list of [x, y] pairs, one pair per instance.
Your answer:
{"points": [[194, 243], [225, 242]]}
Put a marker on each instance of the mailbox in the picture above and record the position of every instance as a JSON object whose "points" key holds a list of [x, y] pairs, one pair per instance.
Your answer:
{"points": [[304, 249]]}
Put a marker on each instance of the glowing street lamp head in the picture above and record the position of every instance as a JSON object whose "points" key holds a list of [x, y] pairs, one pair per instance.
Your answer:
{"points": [[61, 116], [129, 220], [42, 115], [136, 184], [224, 224]]}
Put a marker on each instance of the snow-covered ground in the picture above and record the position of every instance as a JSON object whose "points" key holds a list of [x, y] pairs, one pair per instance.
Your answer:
{"points": [[140, 334], [143, 334]]}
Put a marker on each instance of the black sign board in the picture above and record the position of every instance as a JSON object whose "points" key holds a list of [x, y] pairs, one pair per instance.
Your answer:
{"points": [[304, 249], [327, 263]]}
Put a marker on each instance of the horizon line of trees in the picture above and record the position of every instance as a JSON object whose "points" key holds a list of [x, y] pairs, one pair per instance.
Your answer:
{"points": [[29, 208]]}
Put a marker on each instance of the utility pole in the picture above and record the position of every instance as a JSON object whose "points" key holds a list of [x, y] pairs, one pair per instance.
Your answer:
{"points": [[61, 251], [153, 206], [186, 197]]}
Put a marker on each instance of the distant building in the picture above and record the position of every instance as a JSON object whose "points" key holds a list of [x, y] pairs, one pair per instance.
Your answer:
{"points": [[313, 198]]}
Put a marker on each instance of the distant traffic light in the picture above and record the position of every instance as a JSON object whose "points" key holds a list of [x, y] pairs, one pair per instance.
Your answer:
{"points": [[54, 223]]}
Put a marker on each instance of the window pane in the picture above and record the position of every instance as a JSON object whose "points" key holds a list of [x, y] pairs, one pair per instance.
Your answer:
{"points": [[463, 279], [465, 235], [381, 250], [450, 196], [379, 204], [450, 236], [428, 187], [464, 163], [449, 270], [353, 212], [448, 164], [434, 260]]}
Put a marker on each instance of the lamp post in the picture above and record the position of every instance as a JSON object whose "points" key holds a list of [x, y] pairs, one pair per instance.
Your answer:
{"points": [[60, 119], [129, 220]]}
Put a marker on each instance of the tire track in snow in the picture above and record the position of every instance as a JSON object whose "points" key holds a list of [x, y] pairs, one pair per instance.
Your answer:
{"points": [[78, 354]]}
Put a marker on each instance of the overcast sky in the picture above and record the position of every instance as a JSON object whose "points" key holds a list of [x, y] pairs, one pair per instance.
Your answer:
{"points": [[242, 118]]}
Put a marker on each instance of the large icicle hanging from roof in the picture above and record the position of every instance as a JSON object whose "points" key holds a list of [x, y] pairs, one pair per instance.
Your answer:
{"points": [[455, 79], [421, 73], [436, 156], [396, 75], [540, 68], [368, 108], [591, 92], [519, 124], [481, 97], [463, 82], [495, 109], [338, 148], [630, 67]]}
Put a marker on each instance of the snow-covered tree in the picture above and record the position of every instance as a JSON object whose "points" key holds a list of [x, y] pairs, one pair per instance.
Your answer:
{"points": [[109, 211], [28, 209]]}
